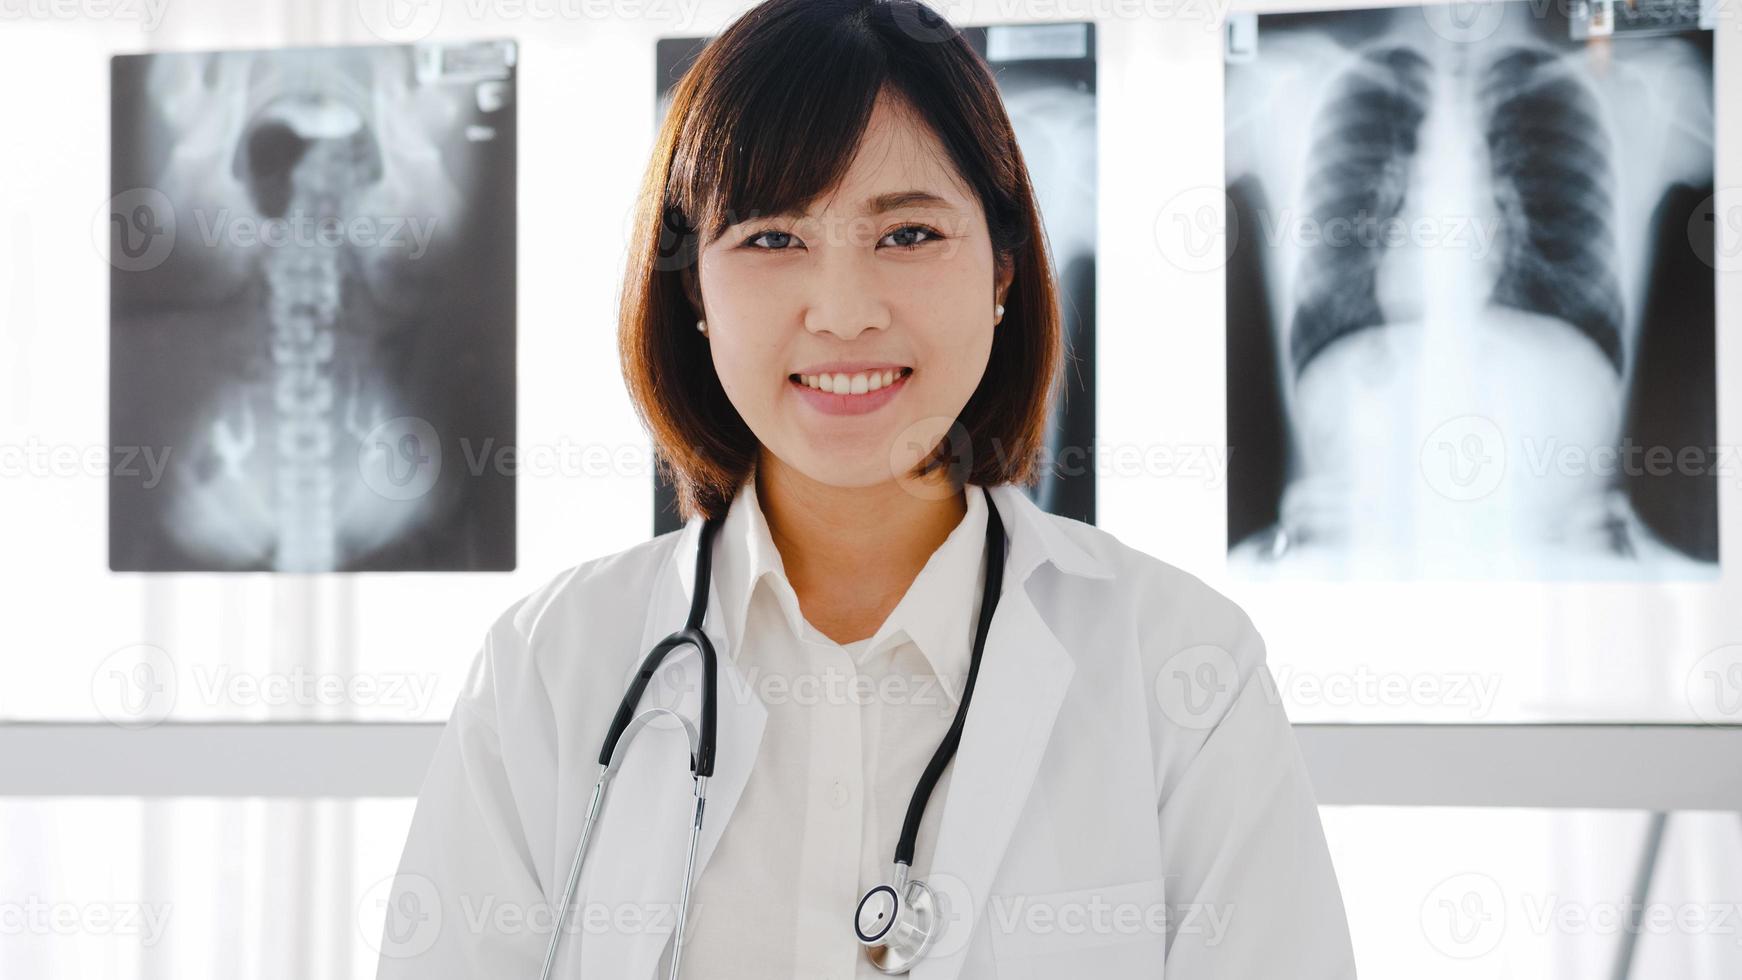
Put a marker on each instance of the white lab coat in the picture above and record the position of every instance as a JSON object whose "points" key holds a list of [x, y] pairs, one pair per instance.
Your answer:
{"points": [[1103, 817]]}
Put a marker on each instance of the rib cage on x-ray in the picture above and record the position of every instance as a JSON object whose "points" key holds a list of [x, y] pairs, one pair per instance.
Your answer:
{"points": [[1046, 74], [1549, 152], [1366, 371], [325, 336]]}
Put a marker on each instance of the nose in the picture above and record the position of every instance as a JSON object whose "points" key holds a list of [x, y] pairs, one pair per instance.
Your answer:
{"points": [[846, 297]]}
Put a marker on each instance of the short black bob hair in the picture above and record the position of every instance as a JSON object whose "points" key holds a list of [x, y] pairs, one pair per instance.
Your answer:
{"points": [[768, 118]]}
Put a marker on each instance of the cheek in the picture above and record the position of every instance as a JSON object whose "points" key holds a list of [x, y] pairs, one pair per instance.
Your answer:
{"points": [[953, 293], [747, 367], [746, 353], [951, 329]]}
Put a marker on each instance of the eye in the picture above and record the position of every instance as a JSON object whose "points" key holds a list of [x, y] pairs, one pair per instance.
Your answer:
{"points": [[907, 230], [783, 236], [779, 241]]}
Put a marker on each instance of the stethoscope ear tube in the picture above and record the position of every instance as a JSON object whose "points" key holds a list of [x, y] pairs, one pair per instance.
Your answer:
{"points": [[627, 723], [702, 762]]}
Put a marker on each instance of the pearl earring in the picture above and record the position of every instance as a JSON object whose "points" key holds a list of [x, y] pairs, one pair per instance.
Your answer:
{"points": [[702, 325], [998, 310]]}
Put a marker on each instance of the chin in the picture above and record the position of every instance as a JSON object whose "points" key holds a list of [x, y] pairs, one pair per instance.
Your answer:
{"points": [[835, 466]]}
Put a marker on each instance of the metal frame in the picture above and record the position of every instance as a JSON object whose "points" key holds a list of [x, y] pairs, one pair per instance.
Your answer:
{"points": [[1640, 767]]}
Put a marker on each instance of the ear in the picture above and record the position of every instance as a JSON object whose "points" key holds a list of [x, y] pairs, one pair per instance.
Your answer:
{"points": [[691, 280], [1002, 276]]}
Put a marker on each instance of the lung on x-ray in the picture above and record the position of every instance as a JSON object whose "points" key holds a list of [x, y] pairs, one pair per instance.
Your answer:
{"points": [[312, 309], [1470, 299]]}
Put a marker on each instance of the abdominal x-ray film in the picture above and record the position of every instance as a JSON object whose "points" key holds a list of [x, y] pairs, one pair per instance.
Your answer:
{"points": [[312, 309]]}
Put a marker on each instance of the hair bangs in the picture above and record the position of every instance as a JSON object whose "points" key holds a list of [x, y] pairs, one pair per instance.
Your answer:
{"points": [[762, 145]]}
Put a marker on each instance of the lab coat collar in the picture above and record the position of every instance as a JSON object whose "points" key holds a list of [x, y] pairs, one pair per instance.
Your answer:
{"points": [[1024, 674], [1033, 537]]}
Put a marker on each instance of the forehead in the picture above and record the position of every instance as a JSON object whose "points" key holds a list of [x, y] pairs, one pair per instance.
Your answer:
{"points": [[897, 156], [899, 149]]}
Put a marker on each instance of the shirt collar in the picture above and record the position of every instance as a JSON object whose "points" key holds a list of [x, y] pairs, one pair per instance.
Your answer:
{"points": [[744, 553], [938, 611]]}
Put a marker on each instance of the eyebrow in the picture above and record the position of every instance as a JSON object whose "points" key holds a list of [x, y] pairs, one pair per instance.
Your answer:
{"points": [[883, 203]]}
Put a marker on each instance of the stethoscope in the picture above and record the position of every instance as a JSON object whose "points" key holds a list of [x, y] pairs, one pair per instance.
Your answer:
{"points": [[895, 922]]}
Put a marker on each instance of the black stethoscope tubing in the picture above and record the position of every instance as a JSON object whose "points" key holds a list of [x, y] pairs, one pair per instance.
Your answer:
{"points": [[896, 922], [702, 764]]}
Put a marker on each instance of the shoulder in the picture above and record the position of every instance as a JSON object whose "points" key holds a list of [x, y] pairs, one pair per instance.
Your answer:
{"points": [[1195, 648], [571, 619], [1171, 605], [600, 582], [1195, 654]]}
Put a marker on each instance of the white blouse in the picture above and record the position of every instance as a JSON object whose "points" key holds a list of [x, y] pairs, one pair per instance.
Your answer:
{"points": [[850, 730]]}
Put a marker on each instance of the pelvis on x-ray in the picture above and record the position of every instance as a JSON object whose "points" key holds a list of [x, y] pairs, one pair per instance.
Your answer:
{"points": [[1466, 297], [300, 379]]}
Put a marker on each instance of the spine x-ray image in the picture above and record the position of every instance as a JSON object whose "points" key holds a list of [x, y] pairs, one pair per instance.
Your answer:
{"points": [[1470, 299], [1046, 77], [312, 313]]}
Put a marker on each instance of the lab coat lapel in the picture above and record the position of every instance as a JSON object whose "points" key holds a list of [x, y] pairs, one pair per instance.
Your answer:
{"points": [[635, 868], [1024, 672]]}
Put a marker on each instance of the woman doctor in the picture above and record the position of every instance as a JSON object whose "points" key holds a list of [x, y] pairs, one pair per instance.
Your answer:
{"points": [[840, 327]]}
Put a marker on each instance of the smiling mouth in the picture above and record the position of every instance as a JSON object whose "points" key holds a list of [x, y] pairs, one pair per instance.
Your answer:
{"points": [[860, 383]]}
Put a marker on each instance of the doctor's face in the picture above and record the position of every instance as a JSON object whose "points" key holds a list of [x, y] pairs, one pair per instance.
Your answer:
{"points": [[850, 337]]}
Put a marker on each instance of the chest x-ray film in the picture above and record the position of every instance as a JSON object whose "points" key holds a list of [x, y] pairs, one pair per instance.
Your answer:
{"points": [[312, 311], [1470, 299], [1046, 77]]}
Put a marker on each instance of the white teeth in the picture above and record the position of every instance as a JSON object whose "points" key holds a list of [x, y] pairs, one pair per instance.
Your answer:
{"points": [[851, 384]]}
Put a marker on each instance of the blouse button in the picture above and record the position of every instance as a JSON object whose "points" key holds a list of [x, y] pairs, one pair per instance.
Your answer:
{"points": [[838, 794]]}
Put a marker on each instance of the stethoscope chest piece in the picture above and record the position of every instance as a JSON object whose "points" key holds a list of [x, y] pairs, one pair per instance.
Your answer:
{"points": [[896, 923]]}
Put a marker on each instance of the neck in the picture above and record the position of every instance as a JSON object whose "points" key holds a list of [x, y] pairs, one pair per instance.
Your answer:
{"points": [[865, 542]]}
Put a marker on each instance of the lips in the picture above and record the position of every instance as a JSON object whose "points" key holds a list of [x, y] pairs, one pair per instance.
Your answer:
{"points": [[831, 403]]}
